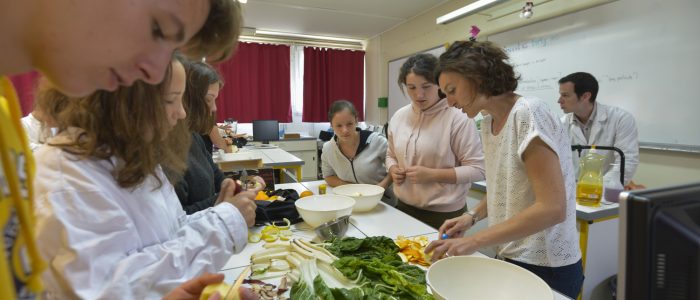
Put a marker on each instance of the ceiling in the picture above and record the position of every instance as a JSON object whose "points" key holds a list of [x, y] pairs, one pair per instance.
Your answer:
{"points": [[356, 19]]}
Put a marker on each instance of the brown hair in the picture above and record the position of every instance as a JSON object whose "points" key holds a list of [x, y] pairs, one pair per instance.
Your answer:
{"points": [[218, 37], [50, 102], [482, 63], [583, 82], [199, 77], [129, 123], [422, 65], [341, 105]]}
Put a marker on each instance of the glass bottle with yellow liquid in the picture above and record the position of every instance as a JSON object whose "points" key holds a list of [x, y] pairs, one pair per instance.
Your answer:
{"points": [[589, 189]]}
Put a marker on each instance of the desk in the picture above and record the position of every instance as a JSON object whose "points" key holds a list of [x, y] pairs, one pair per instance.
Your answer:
{"points": [[275, 158], [598, 238], [381, 220]]}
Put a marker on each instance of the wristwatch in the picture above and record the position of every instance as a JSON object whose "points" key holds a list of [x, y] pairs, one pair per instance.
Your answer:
{"points": [[473, 214]]}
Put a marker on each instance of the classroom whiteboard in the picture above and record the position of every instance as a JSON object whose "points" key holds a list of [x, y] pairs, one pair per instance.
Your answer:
{"points": [[644, 53], [397, 99]]}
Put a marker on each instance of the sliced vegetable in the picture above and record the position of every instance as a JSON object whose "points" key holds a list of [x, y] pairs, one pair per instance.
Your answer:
{"points": [[285, 234], [254, 237]]}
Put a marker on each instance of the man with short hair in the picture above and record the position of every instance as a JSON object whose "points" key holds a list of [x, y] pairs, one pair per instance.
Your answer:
{"points": [[592, 123]]}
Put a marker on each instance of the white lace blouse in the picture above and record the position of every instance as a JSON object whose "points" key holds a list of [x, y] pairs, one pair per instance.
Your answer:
{"points": [[509, 191]]}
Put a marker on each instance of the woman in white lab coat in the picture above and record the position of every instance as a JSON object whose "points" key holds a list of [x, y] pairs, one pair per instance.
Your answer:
{"points": [[108, 221]]}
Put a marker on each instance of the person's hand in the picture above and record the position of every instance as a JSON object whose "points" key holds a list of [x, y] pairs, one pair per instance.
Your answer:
{"points": [[397, 174], [228, 140], [451, 247], [243, 201], [456, 227], [192, 289], [256, 182], [418, 174], [229, 188]]}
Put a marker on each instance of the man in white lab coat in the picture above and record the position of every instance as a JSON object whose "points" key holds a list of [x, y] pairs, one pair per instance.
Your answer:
{"points": [[592, 123]]}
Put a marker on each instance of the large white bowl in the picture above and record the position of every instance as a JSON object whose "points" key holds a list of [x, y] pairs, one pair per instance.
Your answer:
{"points": [[469, 277], [319, 209], [366, 196]]}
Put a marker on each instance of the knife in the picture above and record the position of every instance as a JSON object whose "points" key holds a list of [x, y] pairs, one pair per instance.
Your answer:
{"points": [[244, 180], [232, 293]]}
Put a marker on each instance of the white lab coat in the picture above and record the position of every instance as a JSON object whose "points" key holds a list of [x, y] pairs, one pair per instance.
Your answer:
{"points": [[102, 241], [612, 126], [35, 130]]}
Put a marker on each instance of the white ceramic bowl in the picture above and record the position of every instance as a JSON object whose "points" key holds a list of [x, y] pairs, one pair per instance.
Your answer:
{"points": [[470, 277], [366, 196], [319, 209]]}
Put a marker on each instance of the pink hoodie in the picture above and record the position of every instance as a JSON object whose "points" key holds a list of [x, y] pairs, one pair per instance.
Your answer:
{"points": [[440, 137]]}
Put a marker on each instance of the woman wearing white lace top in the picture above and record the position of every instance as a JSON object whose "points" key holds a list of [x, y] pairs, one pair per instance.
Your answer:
{"points": [[530, 202]]}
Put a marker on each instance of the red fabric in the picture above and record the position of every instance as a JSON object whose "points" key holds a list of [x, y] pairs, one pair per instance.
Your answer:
{"points": [[25, 84], [330, 75], [257, 84]]}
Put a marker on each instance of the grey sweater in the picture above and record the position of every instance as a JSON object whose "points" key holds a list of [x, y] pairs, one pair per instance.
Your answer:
{"points": [[201, 183], [367, 166]]}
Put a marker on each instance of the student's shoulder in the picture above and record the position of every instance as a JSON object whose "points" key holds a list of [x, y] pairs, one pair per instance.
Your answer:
{"points": [[328, 145], [616, 111], [376, 137], [402, 112]]}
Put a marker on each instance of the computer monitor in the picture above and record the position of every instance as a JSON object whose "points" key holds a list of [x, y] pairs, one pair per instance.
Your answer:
{"points": [[660, 244], [265, 131]]}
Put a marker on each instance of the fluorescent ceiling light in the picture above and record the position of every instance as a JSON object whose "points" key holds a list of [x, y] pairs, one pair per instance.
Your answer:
{"points": [[306, 36], [467, 10], [243, 1]]}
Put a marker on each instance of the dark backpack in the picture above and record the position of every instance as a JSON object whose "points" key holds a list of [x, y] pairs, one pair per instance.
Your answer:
{"points": [[269, 212]]}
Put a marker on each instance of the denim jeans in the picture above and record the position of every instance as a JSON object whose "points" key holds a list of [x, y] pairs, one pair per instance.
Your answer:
{"points": [[566, 280]]}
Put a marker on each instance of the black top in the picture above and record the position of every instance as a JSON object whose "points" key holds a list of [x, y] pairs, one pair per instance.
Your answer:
{"points": [[201, 183], [364, 135], [208, 144]]}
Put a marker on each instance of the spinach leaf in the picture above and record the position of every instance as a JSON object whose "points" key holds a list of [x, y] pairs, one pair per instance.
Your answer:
{"points": [[380, 247], [395, 278]]}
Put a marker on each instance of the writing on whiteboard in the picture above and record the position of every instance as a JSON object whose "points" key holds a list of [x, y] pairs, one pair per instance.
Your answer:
{"points": [[615, 78], [533, 43], [530, 62], [539, 83]]}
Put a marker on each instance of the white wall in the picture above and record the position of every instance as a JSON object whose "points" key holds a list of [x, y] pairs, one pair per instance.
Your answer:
{"points": [[657, 168]]}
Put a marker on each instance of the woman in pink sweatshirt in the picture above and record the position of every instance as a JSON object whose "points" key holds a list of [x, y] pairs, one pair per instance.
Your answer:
{"points": [[434, 151]]}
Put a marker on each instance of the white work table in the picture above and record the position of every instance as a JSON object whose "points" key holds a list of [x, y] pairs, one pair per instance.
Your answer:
{"points": [[274, 157], [382, 220]]}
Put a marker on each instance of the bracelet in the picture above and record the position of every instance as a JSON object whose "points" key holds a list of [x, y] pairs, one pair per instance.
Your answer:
{"points": [[473, 214]]}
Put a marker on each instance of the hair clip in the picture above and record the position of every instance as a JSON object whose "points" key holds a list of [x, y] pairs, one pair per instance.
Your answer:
{"points": [[474, 32]]}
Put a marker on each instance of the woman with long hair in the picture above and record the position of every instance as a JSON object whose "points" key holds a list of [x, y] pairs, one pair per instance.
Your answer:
{"points": [[108, 221]]}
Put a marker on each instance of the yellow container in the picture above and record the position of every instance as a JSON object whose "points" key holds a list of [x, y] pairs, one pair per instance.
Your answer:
{"points": [[589, 194], [589, 189], [322, 189]]}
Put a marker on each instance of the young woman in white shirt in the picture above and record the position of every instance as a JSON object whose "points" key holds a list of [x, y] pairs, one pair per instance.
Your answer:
{"points": [[530, 201], [108, 221]]}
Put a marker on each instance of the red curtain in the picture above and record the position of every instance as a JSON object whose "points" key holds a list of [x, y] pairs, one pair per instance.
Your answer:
{"points": [[257, 84], [330, 75], [25, 84]]}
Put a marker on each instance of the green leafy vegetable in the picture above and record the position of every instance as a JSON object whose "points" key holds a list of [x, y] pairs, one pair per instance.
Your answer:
{"points": [[380, 247], [394, 278], [373, 265]]}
